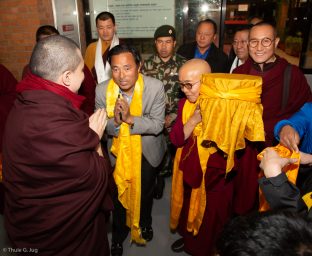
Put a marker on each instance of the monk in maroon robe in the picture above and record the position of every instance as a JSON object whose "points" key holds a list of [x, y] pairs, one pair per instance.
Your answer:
{"points": [[87, 88], [263, 62], [55, 174], [7, 97]]}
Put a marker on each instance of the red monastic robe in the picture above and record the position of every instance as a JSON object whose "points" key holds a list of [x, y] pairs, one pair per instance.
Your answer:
{"points": [[55, 181]]}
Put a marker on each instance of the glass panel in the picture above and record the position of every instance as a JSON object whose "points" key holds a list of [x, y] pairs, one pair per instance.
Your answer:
{"points": [[186, 14]]}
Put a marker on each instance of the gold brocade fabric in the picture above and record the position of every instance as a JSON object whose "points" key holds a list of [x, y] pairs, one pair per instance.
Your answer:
{"points": [[231, 111], [291, 171], [128, 151]]}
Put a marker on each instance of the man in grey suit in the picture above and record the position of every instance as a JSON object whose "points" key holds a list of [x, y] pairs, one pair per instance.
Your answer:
{"points": [[136, 110]]}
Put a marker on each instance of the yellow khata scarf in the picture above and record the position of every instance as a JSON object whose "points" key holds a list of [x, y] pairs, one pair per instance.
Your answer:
{"points": [[198, 195], [128, 151], [291, 171], [231, 111]]}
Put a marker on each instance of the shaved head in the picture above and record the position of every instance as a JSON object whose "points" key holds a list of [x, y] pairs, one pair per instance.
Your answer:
{"points": [[190, 73], [193, 69]]}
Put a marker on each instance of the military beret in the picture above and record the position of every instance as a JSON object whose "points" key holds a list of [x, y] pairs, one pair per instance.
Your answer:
{"points": [[164, 31]]}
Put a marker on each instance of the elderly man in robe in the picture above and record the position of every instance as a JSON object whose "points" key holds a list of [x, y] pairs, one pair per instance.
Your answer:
{"points": [[54, 171], [220, 114]]}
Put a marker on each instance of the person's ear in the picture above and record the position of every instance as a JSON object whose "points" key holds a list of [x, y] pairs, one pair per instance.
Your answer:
{"points": [[66, 78], [140, 66], [174, 43], [277, 39]]}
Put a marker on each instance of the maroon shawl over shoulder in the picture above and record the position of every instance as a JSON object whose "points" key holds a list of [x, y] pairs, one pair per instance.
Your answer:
{"points": [[271, 98], [7, 97], [56, 183]]}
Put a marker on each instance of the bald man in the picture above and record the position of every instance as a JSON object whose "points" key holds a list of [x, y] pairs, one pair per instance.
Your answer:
{"points": [[202, 184], [284, 91], [218, 189]]}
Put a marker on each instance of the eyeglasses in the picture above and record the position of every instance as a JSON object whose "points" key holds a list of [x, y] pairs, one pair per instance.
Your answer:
{"points": [[188, 85], [265, 42], [237, 42]]}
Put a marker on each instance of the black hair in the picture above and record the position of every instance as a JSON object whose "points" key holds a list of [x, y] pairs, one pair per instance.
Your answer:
{"points": [[266, 23], [270, 233], [209, 21], [105, 16], [243, 28], [122, 48], [46, 30]]}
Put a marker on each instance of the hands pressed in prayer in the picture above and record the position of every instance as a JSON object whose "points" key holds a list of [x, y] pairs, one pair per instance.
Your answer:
{"points": [[289, 138], [272, 163], [98, 121], [122, 112]]}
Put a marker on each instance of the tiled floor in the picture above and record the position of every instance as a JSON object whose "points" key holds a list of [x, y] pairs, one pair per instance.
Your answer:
{"points": [[159, 246]]}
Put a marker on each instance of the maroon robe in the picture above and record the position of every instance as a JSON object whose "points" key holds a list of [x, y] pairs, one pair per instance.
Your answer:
{"points": [[271, 99], [220, 193], [7, 97], [55, 181], [87, 89]]}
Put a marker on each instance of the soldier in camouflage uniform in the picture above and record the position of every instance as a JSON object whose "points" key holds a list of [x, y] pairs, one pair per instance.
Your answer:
{"points": [[164, 65]]}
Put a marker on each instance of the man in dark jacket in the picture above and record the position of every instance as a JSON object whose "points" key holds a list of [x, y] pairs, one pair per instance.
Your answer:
{"points": [[204, 48]]}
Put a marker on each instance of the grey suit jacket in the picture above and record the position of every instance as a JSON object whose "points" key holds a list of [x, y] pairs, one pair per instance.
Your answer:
{"points": [[150, 125]]}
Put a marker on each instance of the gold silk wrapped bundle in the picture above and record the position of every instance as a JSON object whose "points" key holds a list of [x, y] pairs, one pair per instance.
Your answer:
{"points": [[231, 111]]}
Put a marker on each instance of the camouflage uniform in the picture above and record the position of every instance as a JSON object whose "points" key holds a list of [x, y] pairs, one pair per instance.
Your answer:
{"points": [[167, 72]]}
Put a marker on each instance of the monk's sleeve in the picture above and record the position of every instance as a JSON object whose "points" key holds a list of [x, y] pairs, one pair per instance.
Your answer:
{"points": [[281, 194], [299, 121], [176, 134]]}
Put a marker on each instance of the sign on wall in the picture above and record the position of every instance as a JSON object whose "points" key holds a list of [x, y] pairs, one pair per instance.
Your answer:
{"points": [[66, 19], [135, 18]]}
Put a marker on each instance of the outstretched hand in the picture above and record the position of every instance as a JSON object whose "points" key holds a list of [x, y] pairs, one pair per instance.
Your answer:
{"points": [[305, 158], [98, 121], [289, 137], [272, 163]]}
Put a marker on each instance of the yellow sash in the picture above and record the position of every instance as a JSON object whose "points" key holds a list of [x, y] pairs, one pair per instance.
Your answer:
{"points": [[128, 151], [231, 111], [291, 171], [198, 195]]}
